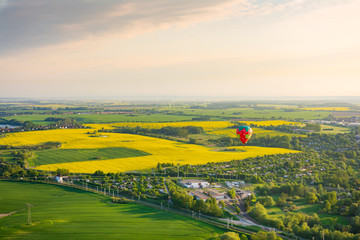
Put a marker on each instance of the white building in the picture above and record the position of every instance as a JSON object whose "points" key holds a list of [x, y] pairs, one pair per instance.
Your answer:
{"points": [[59, 179], [234, 184], [193, 183]]}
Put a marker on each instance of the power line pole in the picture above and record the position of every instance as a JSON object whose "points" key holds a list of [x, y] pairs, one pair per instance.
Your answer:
{"points": [[178, 171], [29, 213]]}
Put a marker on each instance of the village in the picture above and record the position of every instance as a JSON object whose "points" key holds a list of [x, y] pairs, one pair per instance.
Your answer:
{"points": [[157, 188]]}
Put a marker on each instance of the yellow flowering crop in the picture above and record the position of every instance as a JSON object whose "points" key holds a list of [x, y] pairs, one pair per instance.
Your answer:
{"points": [[163, 151]]}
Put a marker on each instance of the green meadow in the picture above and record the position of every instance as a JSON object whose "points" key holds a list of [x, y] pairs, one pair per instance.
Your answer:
{"points": [[103, 118], [65, 213], [78, 155], [252, 113]]}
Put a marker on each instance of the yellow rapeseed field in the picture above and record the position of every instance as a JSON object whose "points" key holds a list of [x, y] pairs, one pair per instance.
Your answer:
{"points": [[327, 109], [271, 122], [163, 151], [210, 127], [206, 125]]}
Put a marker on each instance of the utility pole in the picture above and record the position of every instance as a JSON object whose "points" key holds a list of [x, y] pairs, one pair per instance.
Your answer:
{"points": [[178, 171], [232, 222], [29, 213], [160, 206]]}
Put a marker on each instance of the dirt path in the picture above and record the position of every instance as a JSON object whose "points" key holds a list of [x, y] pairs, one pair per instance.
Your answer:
{"points": [[6, 214]]}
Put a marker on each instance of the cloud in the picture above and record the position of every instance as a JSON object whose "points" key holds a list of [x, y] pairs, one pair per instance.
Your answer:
{"points": [[37, 23]]}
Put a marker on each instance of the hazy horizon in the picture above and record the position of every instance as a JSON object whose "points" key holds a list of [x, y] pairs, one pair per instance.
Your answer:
{"points": [[187, 49]]}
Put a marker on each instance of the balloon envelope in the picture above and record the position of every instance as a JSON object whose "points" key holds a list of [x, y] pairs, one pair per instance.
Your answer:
{"points": [[244, 133]]}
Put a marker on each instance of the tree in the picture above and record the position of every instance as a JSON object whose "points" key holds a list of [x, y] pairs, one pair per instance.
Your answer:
{"points": [[222, 204], [331, 197], [258, 211], [269, 201], [230, 236], [311, 198], [265, 236], [62, 171], [159, 168], [231, 193], [327, 206], [353, 209], [243, 237], [355, 224], [281, 200]]}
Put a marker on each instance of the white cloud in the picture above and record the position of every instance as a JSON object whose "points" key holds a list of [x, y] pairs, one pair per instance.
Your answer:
{"points": [[37, 23]]}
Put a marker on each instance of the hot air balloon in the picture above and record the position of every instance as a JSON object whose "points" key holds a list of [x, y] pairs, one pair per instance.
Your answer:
{"points": [[244, 133]]}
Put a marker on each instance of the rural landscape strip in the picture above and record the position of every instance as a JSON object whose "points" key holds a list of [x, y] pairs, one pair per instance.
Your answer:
{"points": [[203, 218]]}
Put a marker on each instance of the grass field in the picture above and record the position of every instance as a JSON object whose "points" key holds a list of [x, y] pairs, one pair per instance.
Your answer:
{"points": [[303, 207], [64, 213], [104, 118], [333, 129], [78, 155], [163, 151], [252, 113]]}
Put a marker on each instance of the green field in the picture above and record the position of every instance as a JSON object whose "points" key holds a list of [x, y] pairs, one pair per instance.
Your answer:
{"points": [[64, 213], [303, 207], [252, 113], [103, 118], [333, 129], [79, 155]]}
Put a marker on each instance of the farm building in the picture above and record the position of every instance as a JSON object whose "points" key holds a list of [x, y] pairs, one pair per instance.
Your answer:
{"points": [[234, 184], [216, 195], [60, 179], [193, 183], [199, 196]]}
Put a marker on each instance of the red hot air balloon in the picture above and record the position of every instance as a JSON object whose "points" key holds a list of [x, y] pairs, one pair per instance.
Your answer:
{"points": [[244, 133]]}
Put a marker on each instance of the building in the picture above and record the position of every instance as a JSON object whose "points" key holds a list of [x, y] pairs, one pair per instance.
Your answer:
{"points": [[243, 193], [193, 183], [234, 184], [216, 195], [199, 196], [59, 179]]}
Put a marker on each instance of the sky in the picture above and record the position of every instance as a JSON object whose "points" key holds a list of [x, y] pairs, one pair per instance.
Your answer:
{"points": [[237, 48]]}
